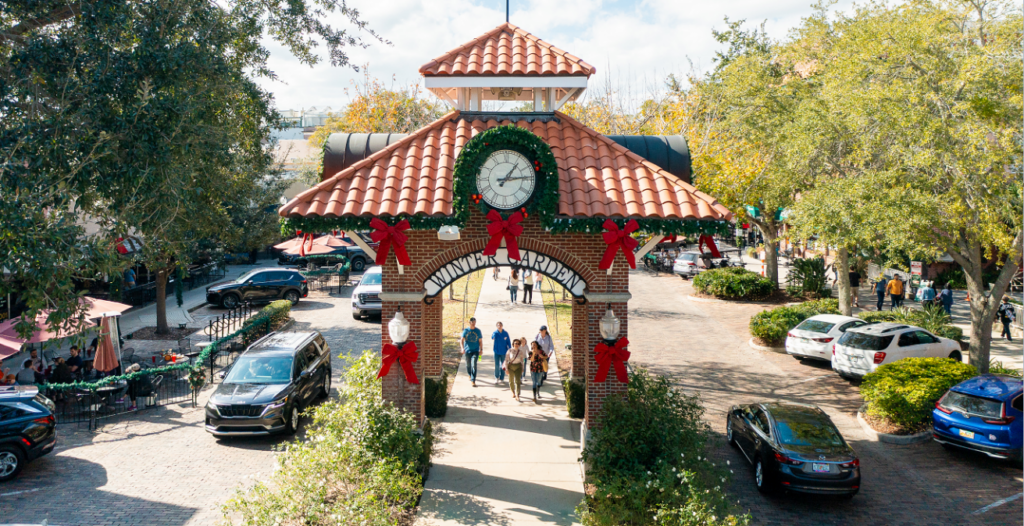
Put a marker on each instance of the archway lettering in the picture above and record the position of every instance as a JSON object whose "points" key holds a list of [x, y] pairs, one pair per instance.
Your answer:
{"points": [[534, 261]]}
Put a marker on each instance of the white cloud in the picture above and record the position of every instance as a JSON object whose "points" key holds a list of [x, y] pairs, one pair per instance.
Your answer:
{"points": [[636, 42]]}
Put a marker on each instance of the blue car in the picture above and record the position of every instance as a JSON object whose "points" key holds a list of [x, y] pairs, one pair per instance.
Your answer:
{"points": [[982, 414]]}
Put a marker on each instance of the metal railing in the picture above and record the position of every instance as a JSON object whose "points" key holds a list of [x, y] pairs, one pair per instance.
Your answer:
{"points": [[228, 322], [78, 406]]}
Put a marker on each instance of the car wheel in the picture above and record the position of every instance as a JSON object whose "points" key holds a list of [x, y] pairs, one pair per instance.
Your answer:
{"points": [[848, 496], [356, 316], [955, 355], [728, 431], [11, 461], [761, 477], [325, 388], [230, 301], [292, 421], [292, 296], [358, 264]]}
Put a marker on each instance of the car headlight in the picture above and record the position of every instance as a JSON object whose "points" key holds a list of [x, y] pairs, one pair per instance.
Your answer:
{"points": [[210, 406], [277, 404]]}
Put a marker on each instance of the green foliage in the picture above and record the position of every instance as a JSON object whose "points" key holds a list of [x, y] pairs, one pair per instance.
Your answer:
{"points": [[435, 396], [771, 326], [904, 392], [880, 316], [930, 318], [649, 459], [360, 462], [733, 283], [996, 367], [575, 397], [807, 278]]}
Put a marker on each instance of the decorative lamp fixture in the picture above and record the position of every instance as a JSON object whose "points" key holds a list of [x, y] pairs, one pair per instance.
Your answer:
{"points": [[448, 233], [610, 325], [398, 329]]}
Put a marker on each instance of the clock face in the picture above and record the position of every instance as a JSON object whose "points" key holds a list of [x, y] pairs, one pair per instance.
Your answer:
{"points": [[506, 180]]}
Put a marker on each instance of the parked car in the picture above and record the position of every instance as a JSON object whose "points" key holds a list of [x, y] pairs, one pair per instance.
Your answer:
{"points": [[814, 337], [794, 447], [354, 254], [366, 295], [688, 264], [266, 388], [861, 350], [28, 429], [260, 285], [982, 414]]}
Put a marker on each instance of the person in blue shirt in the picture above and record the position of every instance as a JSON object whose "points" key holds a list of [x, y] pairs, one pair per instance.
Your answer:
{"points": [[129, 278], [501, 345], [880, 291], [946, 298], [470, 342], [927, 294]]}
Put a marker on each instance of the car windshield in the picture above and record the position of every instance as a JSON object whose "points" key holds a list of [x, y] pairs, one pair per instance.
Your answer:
{"points": [[865, 342], [371, 279], [688, 257], [247, 276], [816, 326], [973, 405], [261, 370], [807, 430]]}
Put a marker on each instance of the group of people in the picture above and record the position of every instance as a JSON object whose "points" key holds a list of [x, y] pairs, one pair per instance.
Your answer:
{"points": [[36, 369], [511, 357], [528, 278]]}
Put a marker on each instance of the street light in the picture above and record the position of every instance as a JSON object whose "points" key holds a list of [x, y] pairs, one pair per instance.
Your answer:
{"points": [[609, 325], [398, 329]]}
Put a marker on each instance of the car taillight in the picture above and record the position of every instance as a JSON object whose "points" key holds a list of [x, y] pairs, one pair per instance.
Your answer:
{"points": [[855, 463], [304, 282], [833, 349], [879, 357], [46, 420], [938, 405], [790, 335], [786, 460], [1001, 421], [822, 340]]}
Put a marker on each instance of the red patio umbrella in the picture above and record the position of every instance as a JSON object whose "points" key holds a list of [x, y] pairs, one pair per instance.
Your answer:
{"points": [[313, 250], [95, 308], [107, 348], [291, 243]]}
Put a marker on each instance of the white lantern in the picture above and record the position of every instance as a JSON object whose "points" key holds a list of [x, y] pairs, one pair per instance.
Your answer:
{"points": [[449, 233], [398, 328], [609, 325]]}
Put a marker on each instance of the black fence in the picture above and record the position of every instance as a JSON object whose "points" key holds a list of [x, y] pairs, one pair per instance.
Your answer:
{"points": [[228, 322], [326, 282], [77, 406], [196, 277]]}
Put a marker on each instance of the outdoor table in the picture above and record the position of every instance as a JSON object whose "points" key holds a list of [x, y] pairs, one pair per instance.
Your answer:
{"points": [[107, 391]]}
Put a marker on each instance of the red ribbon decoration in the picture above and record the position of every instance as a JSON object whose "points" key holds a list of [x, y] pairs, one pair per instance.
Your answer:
{"points": [[388, 237], [616, 355], [617, 239], [405, 356], [302, 246], [508, 229]]}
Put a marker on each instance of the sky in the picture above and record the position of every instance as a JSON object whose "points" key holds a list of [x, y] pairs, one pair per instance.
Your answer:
{"points": [[634, 43]]}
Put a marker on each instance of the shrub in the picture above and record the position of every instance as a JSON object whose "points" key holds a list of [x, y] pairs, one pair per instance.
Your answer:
{"points": [[931, 318], [995, 367], [575, 397], [807, 277], [359, 464], [771, 326], [877, 316], [904, 392], [435, 396], [649, 460], [733, 283]]}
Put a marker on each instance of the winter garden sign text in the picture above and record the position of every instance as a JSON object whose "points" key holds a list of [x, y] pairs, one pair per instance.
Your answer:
{"points": [[533, 261]]}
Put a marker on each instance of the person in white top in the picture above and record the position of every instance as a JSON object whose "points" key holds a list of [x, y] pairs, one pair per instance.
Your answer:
{"points": [[513, 284], [528, 287], [514, 365]]}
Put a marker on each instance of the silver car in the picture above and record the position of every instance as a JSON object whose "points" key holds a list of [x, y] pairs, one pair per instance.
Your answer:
{"points": [[366, 296], [814, 337]]}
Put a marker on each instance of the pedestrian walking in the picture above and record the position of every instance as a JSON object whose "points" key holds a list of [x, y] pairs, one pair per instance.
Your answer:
{"points": [[513, 284], [497, 273], [470, 342], [946, 298], [528, 287], [538, 367], [880, 292], [547, 346], [501, 345], [129, 278], [855, 287], [1006, 315], [926, 294], [895, 290], [514, 365], [524, 347], [537, 279]]}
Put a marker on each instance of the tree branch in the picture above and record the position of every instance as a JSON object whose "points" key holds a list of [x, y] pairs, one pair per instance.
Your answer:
{"points": [[59, 14]]}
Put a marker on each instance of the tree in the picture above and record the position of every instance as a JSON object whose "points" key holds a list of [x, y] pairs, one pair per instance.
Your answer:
{"points": [[139, 115]]}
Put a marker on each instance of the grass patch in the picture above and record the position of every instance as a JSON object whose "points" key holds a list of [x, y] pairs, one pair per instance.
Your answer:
{"points": [[459, 306], [559, 315]]}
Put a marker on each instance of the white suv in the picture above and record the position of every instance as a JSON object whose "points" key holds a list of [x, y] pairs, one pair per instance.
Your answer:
{"points": [[861, 350], [366, 296]]}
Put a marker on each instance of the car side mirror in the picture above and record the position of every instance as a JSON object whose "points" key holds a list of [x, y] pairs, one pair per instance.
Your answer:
{"points": [[248, 282], [304, 374], [221, 374]]}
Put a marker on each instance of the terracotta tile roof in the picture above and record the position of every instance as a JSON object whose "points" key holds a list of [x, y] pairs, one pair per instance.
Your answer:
{"points": [[507, 50], [597, 177]]}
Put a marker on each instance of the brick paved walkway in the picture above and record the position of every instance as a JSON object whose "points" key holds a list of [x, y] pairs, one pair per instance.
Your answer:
{"points": [[703, 347]]}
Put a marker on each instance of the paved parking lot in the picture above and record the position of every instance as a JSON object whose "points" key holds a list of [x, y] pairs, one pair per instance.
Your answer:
{"points": [[703, 346], [162, 468]]}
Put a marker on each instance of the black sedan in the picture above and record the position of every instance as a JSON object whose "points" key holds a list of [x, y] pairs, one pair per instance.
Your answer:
{"points": [[794, 447], [267, 387], [28, 429]]}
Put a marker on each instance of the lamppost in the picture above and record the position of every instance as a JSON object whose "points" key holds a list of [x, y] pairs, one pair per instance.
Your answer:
{"points": [[398, 329], [609, 326]]}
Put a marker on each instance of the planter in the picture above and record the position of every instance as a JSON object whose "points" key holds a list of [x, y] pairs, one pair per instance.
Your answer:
{"points": [[755, 345], [900, 440]]}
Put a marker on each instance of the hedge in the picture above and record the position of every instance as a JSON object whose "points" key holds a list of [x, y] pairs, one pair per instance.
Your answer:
{"points": [[771, 326], [904, 392], [575, 397], [435, 396], [932, 319], [733, 283]]}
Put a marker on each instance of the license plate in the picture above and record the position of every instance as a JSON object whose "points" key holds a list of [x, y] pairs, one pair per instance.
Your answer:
{"points": [[820, 468], [966, 434]]}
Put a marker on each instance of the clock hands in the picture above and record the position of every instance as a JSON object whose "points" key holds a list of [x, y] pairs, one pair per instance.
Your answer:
{"points": [[502, 182]]}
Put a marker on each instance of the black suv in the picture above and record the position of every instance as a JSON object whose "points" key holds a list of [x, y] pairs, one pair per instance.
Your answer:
{"points": [[28, 429], [352, 254], [260, 285], [267, 387]]}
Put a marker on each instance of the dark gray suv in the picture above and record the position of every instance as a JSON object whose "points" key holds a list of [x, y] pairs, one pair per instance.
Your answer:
{"points": [[266, 388]]}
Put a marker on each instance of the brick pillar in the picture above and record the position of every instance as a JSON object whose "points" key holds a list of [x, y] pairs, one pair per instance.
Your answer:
{"points": [[395, 388], [430, 348], [579, 340], [598, 392]]}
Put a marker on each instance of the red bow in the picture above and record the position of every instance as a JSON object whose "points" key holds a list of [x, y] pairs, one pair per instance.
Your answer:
{"points": [[507, 228], [405, 356], [606, 356], [390, 236], [302, 246], [617, 239]]}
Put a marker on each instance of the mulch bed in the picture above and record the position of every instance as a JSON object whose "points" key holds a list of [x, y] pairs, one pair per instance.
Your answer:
{"points": [[174, 333], [763, 343], [780, 297], [883, 425]]}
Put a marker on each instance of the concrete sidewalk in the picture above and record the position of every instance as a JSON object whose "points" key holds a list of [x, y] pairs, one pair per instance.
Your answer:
{"points": [[503, 462]]}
